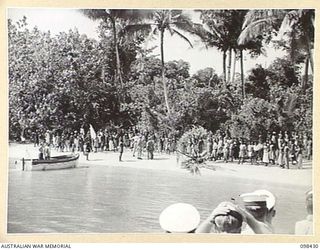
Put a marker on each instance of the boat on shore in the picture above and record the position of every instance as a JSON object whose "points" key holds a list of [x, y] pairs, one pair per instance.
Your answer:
{"points": [[54, 163]]}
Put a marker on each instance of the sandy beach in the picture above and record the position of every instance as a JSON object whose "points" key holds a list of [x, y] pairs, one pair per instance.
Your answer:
{"points": [[165, 162]]}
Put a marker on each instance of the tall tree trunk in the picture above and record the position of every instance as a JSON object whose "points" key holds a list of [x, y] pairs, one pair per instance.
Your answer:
{"points": [[224, 69], [165, 90], [234, 65], [242, 75], [229, 66], [211, 78], [118, 76], [309, 52], [293, 46], [306, 72], [103, 74]]}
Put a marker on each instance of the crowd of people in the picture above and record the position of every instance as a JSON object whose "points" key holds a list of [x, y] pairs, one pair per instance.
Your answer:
{"points": [[282, 149], [253, 216], [106, 140]]}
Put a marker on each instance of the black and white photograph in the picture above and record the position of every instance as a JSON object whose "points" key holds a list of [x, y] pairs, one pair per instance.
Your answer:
{"points": [[160, 121]]}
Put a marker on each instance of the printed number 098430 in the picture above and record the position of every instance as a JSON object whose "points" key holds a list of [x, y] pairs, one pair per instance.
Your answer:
{"points": [[309, 245]]}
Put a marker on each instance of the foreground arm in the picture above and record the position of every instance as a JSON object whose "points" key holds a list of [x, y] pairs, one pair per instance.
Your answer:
{"points": [[206, 225], [257, 226]]}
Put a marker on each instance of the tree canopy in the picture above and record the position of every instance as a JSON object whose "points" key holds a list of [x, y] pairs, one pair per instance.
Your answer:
{"points": [[67, 80]]}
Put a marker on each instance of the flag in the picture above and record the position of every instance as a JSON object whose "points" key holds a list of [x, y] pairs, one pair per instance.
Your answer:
{"points": [[92, 132]]}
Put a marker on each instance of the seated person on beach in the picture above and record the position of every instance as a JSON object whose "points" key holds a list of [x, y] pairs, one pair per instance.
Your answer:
{"points": [[261, 205], [179, 218], [225, 218], [305, 227]]}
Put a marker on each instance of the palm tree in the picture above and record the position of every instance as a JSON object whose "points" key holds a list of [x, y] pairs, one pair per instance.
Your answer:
{"points": [[213, 33], [298, 25], [160, 21], [221, 29], [114, 18]]}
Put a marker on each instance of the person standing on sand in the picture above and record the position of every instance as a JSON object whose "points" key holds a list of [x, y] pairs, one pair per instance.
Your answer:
{"points": [[81, 143], [46, 152], [299, 156], [226, 152], [161, 142], [36, 138], [87, 150], [286, 155], [251, 153], [309, 148], [272, 153], [292, 152], [215, 150], [120, 149], [107, 138], [58, 142], [67, 142], [111, 144], [281, 156], [265, 158], [140, 147], [96, 144], [150, 148], [209, 145], [41, 150], [242, 152], [135, 140]]}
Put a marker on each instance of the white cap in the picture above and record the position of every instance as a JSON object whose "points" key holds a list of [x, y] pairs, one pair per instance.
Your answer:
{"points": [[309, 194], [269, 197], [179, 218]]}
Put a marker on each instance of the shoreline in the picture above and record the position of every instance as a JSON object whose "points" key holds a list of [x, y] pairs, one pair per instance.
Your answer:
{"points": [[165, 162]]}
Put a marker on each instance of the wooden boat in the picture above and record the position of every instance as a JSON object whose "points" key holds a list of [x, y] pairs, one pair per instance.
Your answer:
{"points": [[54, 163]]}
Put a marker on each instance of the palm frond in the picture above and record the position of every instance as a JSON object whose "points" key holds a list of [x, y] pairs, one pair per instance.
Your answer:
{"points": [[134, 28], [290, 104], [153, 32], [94, 14], [170, 30], [175, 13], [131, 14], [216, 32], [253, 30], [208, 38], [182, 36], [182, 18], [288, 22], [254, 15], [181, 25]]}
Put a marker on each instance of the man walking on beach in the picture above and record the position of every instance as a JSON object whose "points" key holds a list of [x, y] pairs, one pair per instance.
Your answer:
{"points": [[120, 149], [140, 147], [150, 148]]}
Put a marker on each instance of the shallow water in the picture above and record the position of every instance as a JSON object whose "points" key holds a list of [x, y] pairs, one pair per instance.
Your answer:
{"points": [[104, 199]]}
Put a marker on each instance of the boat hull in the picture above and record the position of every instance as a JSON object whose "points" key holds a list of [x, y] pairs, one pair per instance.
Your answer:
{"points": [[54, 163]]}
